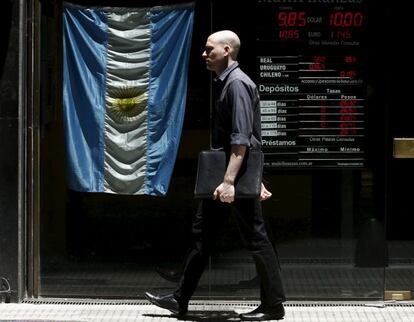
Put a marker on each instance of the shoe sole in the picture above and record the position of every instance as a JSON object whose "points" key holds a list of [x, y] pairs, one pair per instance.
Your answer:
{"points": [[258, 319], [271, 319], [177, 313]]}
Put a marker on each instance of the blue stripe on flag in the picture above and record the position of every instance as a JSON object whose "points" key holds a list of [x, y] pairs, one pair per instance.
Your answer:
{"points": [[97, 120], [171, 41], [85, 42]]}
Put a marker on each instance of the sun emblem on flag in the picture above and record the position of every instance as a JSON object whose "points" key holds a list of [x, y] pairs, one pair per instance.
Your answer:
{"points": [[126, 103]]}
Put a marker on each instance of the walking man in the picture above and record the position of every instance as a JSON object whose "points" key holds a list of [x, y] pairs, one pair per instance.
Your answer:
{"points": [[236, 128]]}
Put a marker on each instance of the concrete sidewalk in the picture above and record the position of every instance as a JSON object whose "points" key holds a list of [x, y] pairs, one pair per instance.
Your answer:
{"points": [[219, 311]]}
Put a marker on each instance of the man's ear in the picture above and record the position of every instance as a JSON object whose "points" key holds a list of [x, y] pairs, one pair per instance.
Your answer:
{"points": [[227, 50]]}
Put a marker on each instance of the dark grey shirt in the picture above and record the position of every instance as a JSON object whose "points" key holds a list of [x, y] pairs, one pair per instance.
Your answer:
{"points": [[236, 114]]}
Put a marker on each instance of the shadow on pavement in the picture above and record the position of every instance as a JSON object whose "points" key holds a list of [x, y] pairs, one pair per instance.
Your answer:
{"points": [[217, 316]]}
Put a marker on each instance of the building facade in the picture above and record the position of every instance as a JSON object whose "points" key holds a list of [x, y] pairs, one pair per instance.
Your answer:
{"points": [[336, 123]]}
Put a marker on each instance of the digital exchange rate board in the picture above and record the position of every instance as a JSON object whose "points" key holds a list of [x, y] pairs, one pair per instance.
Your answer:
{"points": [[310, 75]]}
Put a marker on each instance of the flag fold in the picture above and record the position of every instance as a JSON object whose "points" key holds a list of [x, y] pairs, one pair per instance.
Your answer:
{"points": [[124, 95]]}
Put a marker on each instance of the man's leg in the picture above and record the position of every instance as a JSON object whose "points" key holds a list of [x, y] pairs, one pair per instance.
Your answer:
{"points": [[252, 227], [205, 224], [208, 219]]}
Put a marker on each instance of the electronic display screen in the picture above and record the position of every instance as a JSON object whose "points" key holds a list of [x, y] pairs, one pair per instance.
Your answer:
{"points": [[311, 79]]}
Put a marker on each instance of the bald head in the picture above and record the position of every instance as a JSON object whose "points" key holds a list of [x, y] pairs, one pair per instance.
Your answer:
{"points": [[227, 37]]}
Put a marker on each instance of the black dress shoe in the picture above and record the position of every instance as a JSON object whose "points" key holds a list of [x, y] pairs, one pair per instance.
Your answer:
{"points": [[263, 313], [167, 302], [170, 275], [254, 282]]}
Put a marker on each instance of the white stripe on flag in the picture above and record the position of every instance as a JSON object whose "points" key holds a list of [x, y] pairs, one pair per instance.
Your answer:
{"points": [[124, 93], [128, 64]]}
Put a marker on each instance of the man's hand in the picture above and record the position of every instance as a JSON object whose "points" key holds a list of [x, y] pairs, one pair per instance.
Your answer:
{"points": [[264, 193], [225, 192]]}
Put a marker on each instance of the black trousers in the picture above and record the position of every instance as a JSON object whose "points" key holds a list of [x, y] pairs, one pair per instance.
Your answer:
{"points": [[209, 218]]}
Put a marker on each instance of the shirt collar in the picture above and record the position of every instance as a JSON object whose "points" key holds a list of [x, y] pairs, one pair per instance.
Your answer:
{"points": [[227, 71]]}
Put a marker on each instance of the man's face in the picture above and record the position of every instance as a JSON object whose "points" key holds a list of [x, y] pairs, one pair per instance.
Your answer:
{"points": [[214, 55]]}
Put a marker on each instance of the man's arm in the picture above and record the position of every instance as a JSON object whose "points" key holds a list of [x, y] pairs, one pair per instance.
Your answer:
{"points": [[226, 191]]}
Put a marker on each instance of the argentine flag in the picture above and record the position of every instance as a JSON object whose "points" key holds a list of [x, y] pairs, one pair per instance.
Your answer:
{"points": [[124, 94]]}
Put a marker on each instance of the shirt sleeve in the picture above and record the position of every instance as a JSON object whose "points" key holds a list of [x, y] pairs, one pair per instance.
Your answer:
{"points": [[242, 113]]}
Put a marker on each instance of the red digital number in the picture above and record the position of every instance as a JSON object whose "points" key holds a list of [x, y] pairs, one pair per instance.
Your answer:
{"points": [[348, 73], [350, 59], [291, 19], [319, 59], [347, 103], [346, 19], [323, 116]]}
